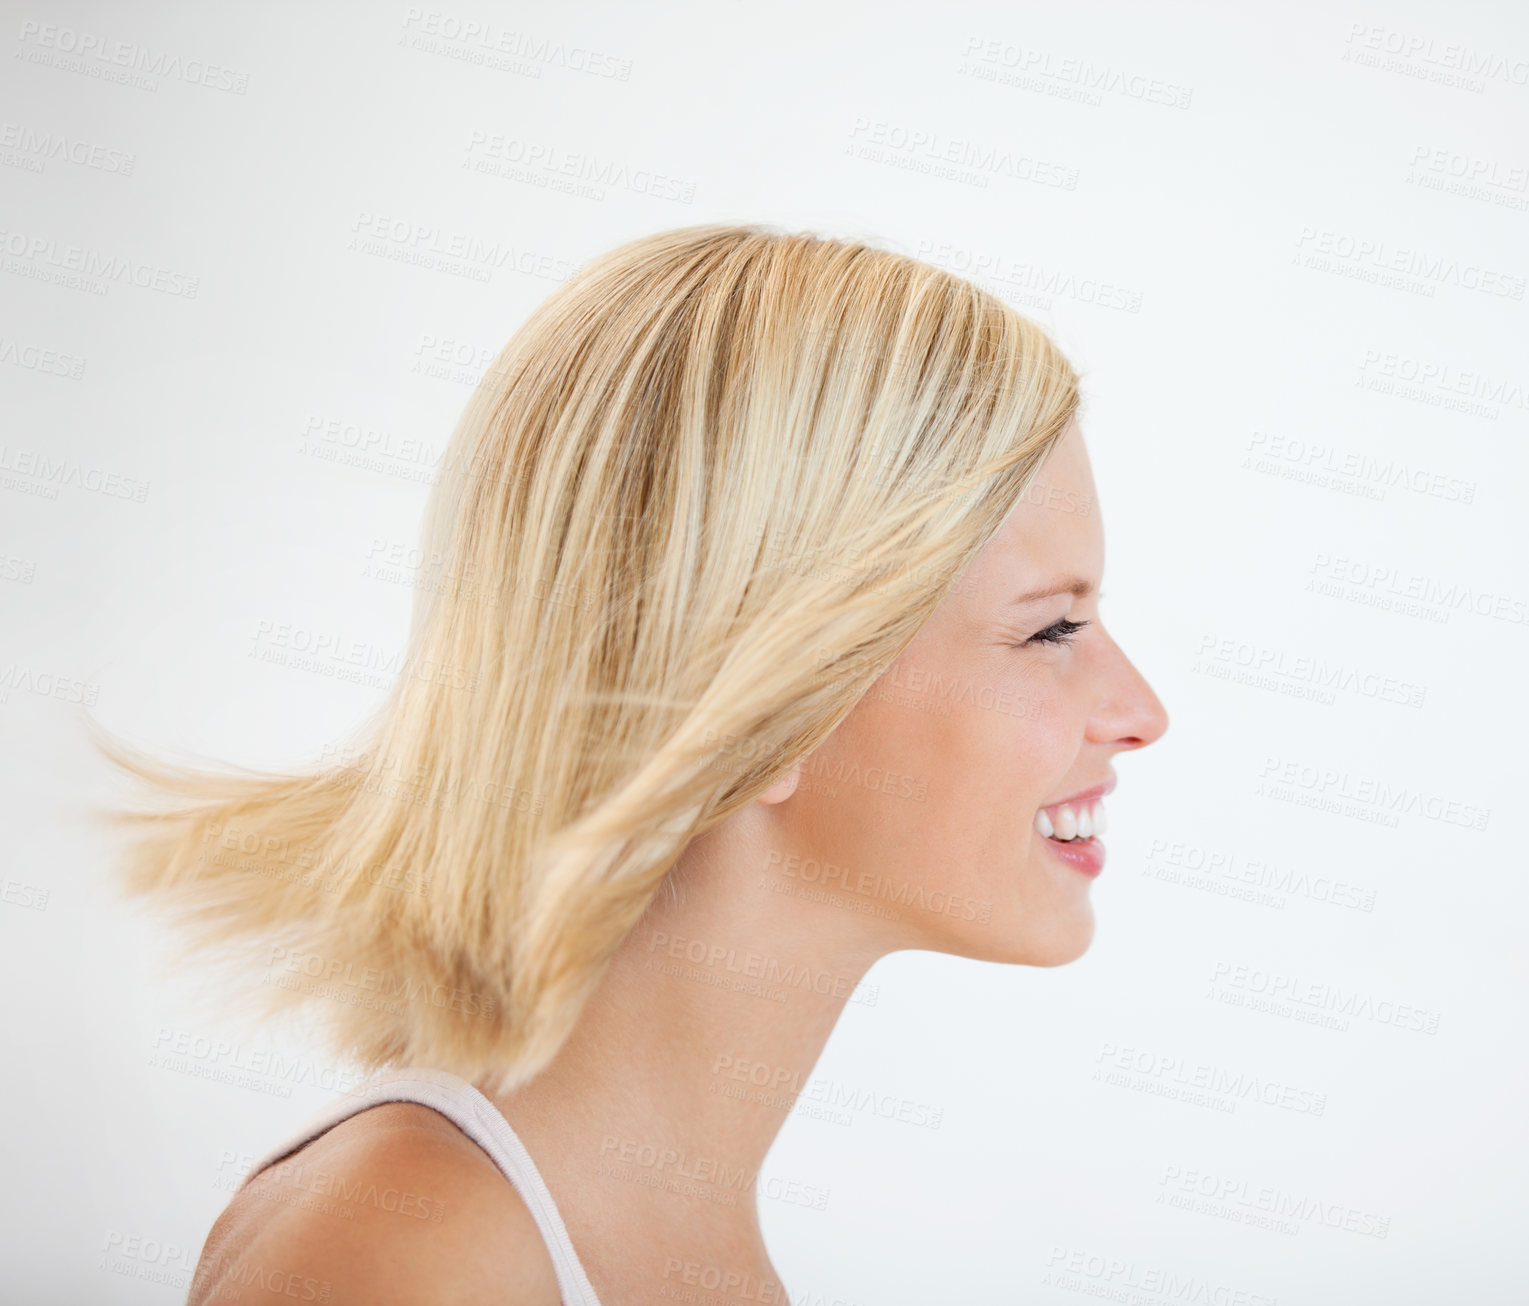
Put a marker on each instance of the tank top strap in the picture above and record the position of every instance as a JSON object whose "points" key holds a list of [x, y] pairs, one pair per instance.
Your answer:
{"points": [[478, 1118]]}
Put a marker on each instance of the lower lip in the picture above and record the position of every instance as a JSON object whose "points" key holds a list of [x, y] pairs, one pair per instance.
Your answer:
{"points": [[1086, 855]]}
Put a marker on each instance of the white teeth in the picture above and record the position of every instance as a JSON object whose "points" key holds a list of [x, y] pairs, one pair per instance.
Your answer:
{"points": [[1072, 823], [1066, 823]]}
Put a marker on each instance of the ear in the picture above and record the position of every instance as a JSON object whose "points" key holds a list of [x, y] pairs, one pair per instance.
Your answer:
{"points": [[783, 788]]}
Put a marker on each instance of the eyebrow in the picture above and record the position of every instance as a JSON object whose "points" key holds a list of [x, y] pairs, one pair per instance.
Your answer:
{"points": [[1077, 586]]}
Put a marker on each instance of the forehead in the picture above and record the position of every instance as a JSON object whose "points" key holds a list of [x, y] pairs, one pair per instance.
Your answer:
{"points": [[1055, 528]]}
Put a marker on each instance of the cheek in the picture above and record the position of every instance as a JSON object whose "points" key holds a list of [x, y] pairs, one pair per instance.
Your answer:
{"points": [[1014, 727], [982, 750], [931, 784], [941, 766], [1015, 753]]}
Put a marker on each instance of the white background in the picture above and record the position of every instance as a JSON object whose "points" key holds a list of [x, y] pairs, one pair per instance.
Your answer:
{"points": [[1315, 467]]}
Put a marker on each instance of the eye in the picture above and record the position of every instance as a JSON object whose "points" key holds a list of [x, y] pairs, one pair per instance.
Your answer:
{"points": [[1060, 632]]}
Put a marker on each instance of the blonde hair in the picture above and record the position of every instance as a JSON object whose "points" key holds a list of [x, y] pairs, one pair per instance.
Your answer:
{"points": [[704, 495]]}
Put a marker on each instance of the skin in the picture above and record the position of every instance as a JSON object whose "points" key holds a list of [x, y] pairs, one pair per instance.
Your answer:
{"points": [[644, 1069]]}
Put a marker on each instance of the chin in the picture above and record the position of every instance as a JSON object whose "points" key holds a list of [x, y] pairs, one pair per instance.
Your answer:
{"points": [[1060, 953], [1056, 944]]}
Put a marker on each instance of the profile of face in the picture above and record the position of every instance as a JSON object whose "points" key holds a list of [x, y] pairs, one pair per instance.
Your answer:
{"points": [[926, 798]]}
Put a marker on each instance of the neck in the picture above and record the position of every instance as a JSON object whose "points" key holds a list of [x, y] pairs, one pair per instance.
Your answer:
{"points": [[657, 1114]]}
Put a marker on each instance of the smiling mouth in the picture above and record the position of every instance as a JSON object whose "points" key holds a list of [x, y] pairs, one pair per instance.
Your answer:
{"points": [[1074, 822]]}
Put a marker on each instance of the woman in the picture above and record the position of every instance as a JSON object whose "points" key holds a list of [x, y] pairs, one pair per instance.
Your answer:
{"points": [[758, 639]]}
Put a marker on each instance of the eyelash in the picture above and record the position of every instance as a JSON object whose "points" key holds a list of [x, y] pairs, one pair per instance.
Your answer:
{"points": [[1060, 632]]}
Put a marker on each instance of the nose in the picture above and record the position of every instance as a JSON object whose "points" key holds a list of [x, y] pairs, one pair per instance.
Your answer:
{"points": [[1129, 714]]}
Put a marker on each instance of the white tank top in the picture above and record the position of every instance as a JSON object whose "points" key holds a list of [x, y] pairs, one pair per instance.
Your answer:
{"points": [[482, 1122]]}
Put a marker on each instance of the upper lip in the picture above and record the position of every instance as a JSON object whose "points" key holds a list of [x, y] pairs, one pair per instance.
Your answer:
{"points": [[1085, 795]]}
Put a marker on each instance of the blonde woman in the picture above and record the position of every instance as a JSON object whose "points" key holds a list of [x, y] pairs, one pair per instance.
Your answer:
{"points": [[759, 639]]}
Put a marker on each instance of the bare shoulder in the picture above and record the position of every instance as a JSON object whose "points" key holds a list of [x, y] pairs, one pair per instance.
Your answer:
{"points": [[393, 1207]]}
